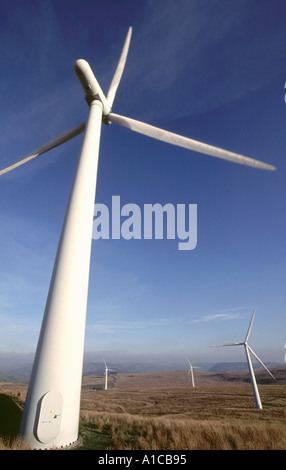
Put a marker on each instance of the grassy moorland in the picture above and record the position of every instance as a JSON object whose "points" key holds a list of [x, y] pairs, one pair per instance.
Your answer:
{"points": [[185, 419], [147, 412]]}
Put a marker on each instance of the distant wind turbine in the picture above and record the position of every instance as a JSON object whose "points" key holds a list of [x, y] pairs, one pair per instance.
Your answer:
{"points": [[106, 374], [191, 372], [248, 349], [51, 412]]}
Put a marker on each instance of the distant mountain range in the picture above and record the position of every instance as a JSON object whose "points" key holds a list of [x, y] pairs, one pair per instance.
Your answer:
{"points": [[125, 368], [17, 369]]}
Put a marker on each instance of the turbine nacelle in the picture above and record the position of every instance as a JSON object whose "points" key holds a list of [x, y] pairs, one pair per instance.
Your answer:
{"points": [[90, 85]]}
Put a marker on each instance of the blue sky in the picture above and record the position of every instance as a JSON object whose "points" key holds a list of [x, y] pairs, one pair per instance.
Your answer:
{"points": [[211, 70]]}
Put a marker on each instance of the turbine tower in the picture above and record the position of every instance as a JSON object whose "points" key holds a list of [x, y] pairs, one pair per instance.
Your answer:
{"points": [[191, 372], [51, 413], [106, 374], [248, 350]]}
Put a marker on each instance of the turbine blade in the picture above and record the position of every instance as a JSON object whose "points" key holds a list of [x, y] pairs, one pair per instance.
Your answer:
{"points": [[119, 70], [250, 326], [228, 344], [185, 142], [58, 140], [259, 360]]}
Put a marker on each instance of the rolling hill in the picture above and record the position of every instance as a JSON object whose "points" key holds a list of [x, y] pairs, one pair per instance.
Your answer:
{"points": [[180, 378]]}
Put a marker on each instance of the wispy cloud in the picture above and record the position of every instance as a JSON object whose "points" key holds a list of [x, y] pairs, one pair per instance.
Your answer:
{"points": [[192, 57], [216, 316], [113, 326], [231, 314]]}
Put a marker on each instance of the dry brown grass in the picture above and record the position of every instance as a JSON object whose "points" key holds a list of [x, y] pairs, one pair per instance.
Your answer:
{"points": [[135, 432], [15, 444], [218, 418], [179, 379]]}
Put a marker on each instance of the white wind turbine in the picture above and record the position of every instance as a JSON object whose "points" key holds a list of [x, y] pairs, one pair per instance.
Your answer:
{"points": [[51, 412], [106, 374], [248, 350], [191, 372]]}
